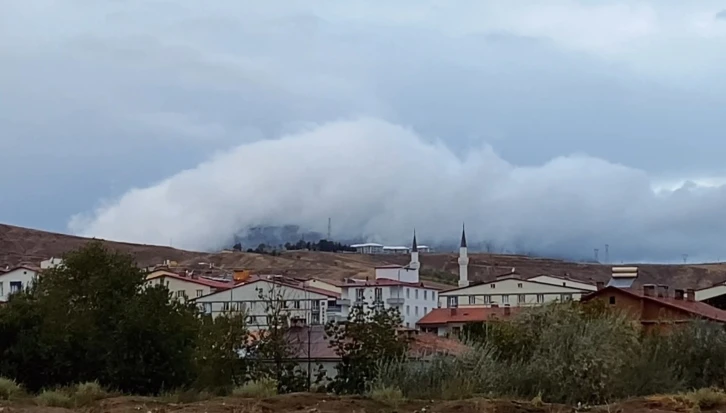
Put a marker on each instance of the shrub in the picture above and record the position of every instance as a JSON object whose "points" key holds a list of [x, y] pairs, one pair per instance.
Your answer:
{"points": [[89, 392], [707, 398], [186, 396], [53, 398], [9, 389], [258, 389], [392, 396]]}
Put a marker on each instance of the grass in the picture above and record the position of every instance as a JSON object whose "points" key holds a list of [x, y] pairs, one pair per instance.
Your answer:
{"points": [[707, 398], [186, 396], [258, 389], [87, 393], [9, 389], [54, 398], [392, 396]]}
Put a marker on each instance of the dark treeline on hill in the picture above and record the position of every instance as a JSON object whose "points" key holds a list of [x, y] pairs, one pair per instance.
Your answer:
{"points": [[322, 245]]}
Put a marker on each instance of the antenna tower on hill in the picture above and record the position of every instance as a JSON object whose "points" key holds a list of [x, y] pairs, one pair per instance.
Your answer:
{"points": [[329, 231]]}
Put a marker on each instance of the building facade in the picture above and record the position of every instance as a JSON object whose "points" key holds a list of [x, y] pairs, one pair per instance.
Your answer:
{"points": [[368, 248], [186, 288], [15, 280]]}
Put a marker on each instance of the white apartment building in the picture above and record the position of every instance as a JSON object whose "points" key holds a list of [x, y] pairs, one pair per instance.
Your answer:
{"points": [[15, 280], [313, 305], [185, 288], [368, 248], [393, 286]]}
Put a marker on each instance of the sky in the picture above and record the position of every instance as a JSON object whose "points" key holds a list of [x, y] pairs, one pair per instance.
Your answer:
{"points": [[551, 126]]}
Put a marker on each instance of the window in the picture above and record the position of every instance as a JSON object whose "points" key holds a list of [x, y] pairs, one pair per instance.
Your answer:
{"points": [[208, 308], [1, 289], [359, 294], [433, 295], [426, 295], [200, 293], [521, 298], [472, 299], [540, 298], [180, 294], [253, 319], [416, 294], [566, 297], [426, 310], [519, 285], [416, 310], [408, 293], [493, 285], [225, 306], [487, 299], [378, 294], [234, 306], [315, 319], [296, 304], [316, 305], [408, 310], [505, 299], [15, 287], [564, 284], [167, 284], [453, 302], [612, 299]]}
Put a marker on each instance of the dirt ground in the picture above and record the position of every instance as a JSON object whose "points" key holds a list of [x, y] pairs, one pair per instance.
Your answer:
{"points": [[314, 403]]}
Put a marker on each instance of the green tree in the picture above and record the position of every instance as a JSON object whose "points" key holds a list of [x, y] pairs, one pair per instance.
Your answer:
{"points": [[368, 337], [221, 342], [93, 318]]}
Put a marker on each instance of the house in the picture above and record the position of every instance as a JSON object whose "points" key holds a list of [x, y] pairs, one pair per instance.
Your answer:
{"points": [[51, 262], [393, 286], [368, 248], [654, 307], [714, 295], [184, 287], [311, 347], [16, 279], [446, 321], [396, 250], [253, 298]]}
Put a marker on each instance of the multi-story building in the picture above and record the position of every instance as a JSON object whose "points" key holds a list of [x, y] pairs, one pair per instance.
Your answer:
{"points": [[15, 280], [186, 287], [394, 286], [262, 295], [368, 248]]}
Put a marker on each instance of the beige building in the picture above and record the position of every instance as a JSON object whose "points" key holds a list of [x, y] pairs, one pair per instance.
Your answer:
{"points": [[186, 288]]}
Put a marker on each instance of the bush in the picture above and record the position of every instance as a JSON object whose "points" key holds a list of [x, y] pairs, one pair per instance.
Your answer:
{"points": [[9, 389], [186, 396], [53, 398], [89, 392], [707, 398], [392, 396], [258, 389]]}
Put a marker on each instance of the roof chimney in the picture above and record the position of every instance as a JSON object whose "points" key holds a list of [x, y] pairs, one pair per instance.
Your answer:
{"points": [[690, 294], [649, 290], [679, 293], [600, 285], [663, 291]]}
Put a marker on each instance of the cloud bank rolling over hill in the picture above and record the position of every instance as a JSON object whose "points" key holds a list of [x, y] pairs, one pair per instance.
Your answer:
{"points": [[380, 180]]}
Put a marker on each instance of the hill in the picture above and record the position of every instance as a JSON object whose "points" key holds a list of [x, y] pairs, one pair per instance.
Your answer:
{"points": [[22, 245]]}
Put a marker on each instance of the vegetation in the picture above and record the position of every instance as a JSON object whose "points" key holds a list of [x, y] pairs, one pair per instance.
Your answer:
{"points": [[368, 337], [261, 388], [9, 389], [54, 398]]}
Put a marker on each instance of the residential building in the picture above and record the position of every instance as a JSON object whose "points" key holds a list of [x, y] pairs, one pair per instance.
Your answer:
{"points": [[254, 299], [51, 262], [368, 248], [323, 285], [184, 287], [655, 309], [448, 321], [16, 279], [394, 286], [563, 281], [396, 250]]}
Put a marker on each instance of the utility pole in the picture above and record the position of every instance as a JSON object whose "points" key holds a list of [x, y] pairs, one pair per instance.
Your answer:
{"points": [[685, 258], [607, 254], [329, 231], [596, 254]]}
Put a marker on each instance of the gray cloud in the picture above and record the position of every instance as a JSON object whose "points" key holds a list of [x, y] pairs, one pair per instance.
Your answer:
{"points": [[136, 91]]}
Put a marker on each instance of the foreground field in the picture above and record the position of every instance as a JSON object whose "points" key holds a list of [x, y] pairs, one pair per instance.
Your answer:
{"points": [[317, 403]]}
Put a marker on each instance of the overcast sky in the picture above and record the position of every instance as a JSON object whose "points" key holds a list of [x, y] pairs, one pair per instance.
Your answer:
{"points": [[555, 126]]}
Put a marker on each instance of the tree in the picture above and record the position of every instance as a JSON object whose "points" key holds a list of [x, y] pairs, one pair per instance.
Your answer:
{"points": [[218, 363], [93, 318], [237, 246], [368, 337]]}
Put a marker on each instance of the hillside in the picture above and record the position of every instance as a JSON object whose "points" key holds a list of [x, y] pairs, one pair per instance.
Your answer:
{"points": [[23, 245]]}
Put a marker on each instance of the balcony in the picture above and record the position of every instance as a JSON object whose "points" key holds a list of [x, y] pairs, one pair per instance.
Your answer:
{"points": [[343, 301], [395, 300]]}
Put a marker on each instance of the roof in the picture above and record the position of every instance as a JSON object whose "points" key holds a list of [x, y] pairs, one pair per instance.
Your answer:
{"points": [[367, 244], [463, 237], [20, 267], [559, 277], [396, 248], [290, 284], [439, 316], [200, 281], [414, 247], [314, 338], [512, 276], [696, 308], [386, 282]]}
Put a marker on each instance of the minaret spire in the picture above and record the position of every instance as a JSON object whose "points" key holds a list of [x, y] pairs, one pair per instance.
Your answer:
{"points": [[414, 264], [414, 246], [463, 260]]}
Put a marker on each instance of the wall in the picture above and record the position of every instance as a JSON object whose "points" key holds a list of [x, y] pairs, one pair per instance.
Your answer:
{"points": [[246, 298], [22, 275], [563, 282], [409, 276], [512, 289], [322, 285], [416, 302], [181, 289]]}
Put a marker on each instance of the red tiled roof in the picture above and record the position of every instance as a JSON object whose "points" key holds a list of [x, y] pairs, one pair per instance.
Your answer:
{"points": [[201, 281], [465, 315], [696, 308]]}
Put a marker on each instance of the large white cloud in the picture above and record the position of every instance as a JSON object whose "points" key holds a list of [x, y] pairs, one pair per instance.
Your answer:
{"points": [[381, 180]]}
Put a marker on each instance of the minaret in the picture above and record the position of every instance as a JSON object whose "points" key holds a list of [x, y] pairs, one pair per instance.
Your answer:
{"points": [[414, 254], [463, 261]]}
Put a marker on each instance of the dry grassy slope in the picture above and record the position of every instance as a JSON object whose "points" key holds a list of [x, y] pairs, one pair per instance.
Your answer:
{"points": [[23, 245]]}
